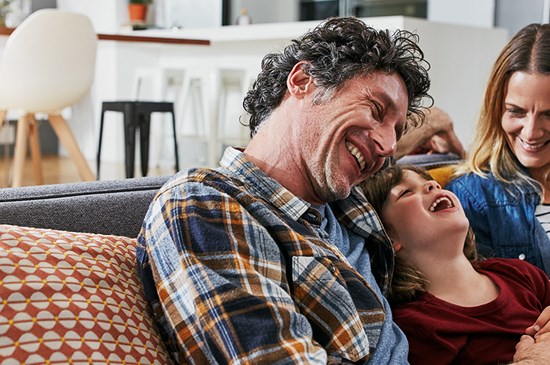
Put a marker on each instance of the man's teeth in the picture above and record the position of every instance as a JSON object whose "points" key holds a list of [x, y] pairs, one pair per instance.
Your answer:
{"points": [[358, 156], [444, 200]]}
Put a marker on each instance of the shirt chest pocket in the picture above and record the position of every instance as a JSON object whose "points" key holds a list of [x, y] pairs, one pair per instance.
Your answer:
{"points": [[323, 296]]}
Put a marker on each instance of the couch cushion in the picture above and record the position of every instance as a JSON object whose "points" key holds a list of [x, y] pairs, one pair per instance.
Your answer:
{"points": [[70, 297], [107, 207]]}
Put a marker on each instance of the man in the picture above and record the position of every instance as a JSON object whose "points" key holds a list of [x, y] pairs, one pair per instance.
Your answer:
{"points": [[244, 264], [436, 135], [242, 259]]}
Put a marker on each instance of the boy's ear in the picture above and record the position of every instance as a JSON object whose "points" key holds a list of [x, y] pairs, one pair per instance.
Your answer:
{"points": [[299, 83], [396, 246]]}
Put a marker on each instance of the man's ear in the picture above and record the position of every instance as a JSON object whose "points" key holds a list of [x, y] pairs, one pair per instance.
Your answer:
{"points": [[299, 83]]}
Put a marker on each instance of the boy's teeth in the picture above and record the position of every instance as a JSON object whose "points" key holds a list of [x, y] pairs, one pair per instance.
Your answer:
{"points": [[445, 200], [358, 156]]}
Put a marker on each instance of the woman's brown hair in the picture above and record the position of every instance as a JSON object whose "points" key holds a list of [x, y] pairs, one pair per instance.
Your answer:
{"points": [[528, 51]]}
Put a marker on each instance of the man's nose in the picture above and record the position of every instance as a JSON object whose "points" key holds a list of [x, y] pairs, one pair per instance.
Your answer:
{"points": [[385, 142]]}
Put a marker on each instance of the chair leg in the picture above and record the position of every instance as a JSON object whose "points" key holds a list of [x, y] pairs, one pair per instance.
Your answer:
{"points": [[130, 126], [34, 144], [67, 139], [175, 141], [98, 160], [144, 130], [3, 114], [20, 153]]}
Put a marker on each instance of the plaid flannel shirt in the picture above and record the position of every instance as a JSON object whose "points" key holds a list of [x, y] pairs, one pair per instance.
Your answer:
{"points": [[236, 272]]}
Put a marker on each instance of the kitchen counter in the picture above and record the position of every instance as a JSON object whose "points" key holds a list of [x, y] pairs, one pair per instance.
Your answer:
{"points": [[460, 56]]}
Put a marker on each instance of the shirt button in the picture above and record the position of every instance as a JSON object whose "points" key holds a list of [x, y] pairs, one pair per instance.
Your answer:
{"points": [[521, 256]]}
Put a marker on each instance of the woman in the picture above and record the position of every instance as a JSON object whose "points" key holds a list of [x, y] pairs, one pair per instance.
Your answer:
{"points": [[453, 308], [504, 185]]}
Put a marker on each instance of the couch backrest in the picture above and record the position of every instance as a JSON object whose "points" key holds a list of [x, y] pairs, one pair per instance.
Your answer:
{"points": [[108, 207]]}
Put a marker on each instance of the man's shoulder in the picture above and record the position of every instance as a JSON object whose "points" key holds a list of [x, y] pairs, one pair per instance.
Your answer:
{"points": [[202, 178]]}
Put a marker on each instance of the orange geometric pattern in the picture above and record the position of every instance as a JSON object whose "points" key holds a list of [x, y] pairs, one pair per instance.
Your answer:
{"points": [[72, 298]]}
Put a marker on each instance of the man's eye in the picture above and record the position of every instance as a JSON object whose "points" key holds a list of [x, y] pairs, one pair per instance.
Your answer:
{"points": [[379, 111], [376, 110]]}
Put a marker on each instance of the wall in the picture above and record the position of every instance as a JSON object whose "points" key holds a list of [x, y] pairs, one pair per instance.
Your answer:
{"points": [[465, 12], [513, 14], [107, 16], [42, 4], [189, 13], [267, 11]]}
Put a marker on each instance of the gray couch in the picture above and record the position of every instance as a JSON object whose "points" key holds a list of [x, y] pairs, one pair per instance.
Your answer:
{"points": [[114, 207]]}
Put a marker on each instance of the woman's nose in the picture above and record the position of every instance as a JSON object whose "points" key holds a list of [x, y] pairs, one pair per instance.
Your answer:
{"points": [[532, 129]]}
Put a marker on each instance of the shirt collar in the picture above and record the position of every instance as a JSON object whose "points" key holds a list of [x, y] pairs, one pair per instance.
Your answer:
{"points": [[354, 212], [236, 163]]}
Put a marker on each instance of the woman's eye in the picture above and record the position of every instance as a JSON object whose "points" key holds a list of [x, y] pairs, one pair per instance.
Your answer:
{"points": [[515, 112]]}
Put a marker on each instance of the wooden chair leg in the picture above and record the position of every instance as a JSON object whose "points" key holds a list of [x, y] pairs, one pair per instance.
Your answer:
{"points": [[3, 114], [66, 137], [34, 144], [20, 153]]}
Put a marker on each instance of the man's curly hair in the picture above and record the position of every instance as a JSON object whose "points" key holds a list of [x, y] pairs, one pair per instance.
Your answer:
{"points": [[336, 51]]}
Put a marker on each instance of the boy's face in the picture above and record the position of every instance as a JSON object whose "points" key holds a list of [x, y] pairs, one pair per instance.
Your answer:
{"points": [[418, 213]]}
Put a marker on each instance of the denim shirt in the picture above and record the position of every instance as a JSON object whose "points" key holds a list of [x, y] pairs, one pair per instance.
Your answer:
{"points": [[503, 221]]}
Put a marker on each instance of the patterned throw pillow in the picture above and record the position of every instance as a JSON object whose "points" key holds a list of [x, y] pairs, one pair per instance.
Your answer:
{"points": [[72, 298]]}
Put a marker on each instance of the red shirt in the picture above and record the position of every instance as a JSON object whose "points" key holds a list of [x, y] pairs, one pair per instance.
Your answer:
{"points": [[444, 333]]}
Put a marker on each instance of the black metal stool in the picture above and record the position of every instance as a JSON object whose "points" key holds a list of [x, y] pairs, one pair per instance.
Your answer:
{"points": [[137, 116]]}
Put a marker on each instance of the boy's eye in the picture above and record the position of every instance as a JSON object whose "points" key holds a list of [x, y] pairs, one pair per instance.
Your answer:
{"points": [[403, 192]]}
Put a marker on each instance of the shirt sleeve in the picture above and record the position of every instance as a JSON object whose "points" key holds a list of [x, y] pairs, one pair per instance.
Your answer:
{"points": [[221, 281]]}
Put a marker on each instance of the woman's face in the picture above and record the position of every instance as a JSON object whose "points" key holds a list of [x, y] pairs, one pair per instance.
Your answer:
{"points": [[526, 119]]}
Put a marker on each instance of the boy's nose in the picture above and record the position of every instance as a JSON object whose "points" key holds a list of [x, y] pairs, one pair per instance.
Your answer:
{"points": [[431, 185]]}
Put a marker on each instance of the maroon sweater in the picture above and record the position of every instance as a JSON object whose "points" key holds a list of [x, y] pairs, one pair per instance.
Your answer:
{"points": [[444, 333]]}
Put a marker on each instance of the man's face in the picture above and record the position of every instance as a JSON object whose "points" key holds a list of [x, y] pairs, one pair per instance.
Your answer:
{"points": [[347, 137]]}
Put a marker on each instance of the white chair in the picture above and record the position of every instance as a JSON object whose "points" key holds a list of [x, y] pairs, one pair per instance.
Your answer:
{"points": [[47, 64]]}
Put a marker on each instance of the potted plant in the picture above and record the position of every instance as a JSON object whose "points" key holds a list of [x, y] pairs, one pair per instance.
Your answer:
{"points": [[4, 11], [137, 10]]}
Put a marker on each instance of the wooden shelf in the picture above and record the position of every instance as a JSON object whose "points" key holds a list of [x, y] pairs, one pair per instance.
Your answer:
{"points": [[133, 38]]}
